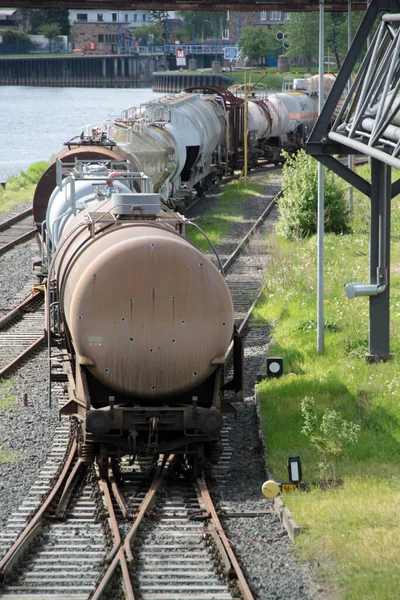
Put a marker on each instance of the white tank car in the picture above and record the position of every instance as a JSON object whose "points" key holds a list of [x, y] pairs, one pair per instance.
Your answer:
{"points": [[148, 314], [173, 140], [280, 115]]}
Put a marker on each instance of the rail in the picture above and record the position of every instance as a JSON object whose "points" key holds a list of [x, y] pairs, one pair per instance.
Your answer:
{"points": [[189, 49]]}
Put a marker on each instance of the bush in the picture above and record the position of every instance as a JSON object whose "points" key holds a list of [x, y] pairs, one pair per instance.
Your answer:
{"points": [[13, 36], [298, 205]]}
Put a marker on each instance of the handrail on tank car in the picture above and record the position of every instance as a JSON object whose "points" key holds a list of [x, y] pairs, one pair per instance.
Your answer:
{"points": [[221, 267]]}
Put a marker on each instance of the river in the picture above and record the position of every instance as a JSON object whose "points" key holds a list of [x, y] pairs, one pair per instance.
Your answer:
{"points": [[36, 121]]}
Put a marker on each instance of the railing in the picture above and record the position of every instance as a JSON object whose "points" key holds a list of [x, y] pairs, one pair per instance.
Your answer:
{"points": [[189, 48]]}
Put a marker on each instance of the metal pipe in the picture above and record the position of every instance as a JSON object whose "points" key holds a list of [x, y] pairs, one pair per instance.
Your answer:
{"points": [[364, 149], [320, 217], [350, 161]]}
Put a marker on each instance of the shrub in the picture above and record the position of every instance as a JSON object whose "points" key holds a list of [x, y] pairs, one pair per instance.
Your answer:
{"points": [[298, 205], [329, 435]]}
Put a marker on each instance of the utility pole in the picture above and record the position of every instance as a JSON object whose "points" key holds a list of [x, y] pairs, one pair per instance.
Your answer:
{"points": [[320, 222]]}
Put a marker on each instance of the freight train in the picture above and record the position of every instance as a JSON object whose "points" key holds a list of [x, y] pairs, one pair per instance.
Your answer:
{"points": [[185, 142], [142, 319]]}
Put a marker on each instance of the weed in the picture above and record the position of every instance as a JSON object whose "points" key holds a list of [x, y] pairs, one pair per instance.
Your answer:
{"points": [[330, 435]]}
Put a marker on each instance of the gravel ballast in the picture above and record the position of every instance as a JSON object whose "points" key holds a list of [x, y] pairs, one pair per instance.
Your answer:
{"points": [[25, 432], [261, 544]]}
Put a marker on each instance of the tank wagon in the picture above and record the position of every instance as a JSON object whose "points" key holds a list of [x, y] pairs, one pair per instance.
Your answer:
{"points": [[143, 319], [185, 142]]}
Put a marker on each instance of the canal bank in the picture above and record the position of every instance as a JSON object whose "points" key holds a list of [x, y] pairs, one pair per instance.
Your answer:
{"points": [[82, 71]]}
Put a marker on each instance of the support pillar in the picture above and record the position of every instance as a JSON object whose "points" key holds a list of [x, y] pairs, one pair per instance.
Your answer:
{"points": [[379, 259]]}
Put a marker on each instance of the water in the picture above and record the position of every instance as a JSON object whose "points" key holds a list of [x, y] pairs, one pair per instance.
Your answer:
{"points": [[36, 121]]}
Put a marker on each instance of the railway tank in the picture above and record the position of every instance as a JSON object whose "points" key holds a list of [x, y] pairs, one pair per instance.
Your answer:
{"points": [[145, 317]]}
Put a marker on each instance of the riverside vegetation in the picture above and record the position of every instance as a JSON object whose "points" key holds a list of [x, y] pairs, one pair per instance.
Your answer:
{"points": [[353, 531], [20, 188]]}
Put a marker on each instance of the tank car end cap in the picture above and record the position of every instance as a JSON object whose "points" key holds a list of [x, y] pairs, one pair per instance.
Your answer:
{"points": [[211, 421], [270, 489], [98, 422]]}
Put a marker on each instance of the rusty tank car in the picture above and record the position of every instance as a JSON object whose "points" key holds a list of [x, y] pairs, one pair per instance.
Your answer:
{"points": [[143, 318]]}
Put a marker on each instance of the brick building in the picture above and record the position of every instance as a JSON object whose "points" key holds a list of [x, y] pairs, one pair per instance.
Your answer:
{"points": [[106, 31], [237, 21]]}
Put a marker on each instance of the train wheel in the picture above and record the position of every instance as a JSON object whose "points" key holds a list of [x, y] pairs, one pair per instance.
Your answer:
{"points": [[213, 451], [196, 464], [103, 464]]}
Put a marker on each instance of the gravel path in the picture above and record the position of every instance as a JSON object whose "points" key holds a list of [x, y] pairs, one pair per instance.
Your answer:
{"points": [[25, 432]]}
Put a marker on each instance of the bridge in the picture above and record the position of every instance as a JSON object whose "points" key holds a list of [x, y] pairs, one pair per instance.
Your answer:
{"points": [[238, 5]]}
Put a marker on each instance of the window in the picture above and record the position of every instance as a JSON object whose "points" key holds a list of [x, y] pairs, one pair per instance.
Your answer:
{"points": [[81, 16], [99, 16], [126, 18], [225, 34], [287, 16], [263, 15], [114, 17], [144, 18], [100, 38], [227, 15], [275, 15], [135, 18]]}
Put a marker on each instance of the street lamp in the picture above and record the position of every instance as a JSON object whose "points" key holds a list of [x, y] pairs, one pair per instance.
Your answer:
{"points": [[189, 23]]}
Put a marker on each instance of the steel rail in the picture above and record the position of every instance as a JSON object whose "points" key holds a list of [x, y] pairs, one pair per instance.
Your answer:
{"points": [[36, 344], [22, 238], [148, 500], [20, 309], [228, 263], [34, 526], [119, 558], [4, 225], [216, 523], [251, 232], [122, 555]]}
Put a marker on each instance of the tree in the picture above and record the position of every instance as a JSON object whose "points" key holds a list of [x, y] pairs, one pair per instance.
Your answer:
{"points": [[13, 36], [257, 43], [205, 23], [148, 34], [31, 19], [302, 32], [49, 30]]}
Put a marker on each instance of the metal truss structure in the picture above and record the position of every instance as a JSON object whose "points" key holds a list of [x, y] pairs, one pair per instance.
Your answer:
{"points": [[239, 5], [369, 123]]}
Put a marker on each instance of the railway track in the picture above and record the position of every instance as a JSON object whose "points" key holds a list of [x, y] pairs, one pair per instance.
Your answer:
{"points": [[93, 538], [181, 553], [16, 230], [21, 331]]}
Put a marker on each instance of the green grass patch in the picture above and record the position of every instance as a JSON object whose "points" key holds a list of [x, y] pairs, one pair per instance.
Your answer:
{"points": [[6, 399], [216, 222], [8, 456], [353, 531], [20, 188], [272, 78]]}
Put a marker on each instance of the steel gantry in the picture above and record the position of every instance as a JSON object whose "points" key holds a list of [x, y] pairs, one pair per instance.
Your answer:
{"points": [[368, 123]]}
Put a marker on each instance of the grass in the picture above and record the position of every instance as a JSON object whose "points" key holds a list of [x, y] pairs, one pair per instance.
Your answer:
{"points": [[227, 210], [20, 188], [272, 78], [6, 399], [353, 532]]}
